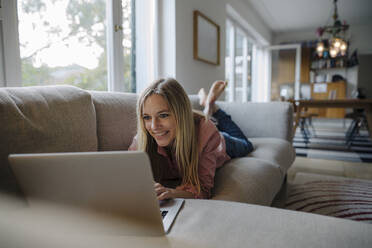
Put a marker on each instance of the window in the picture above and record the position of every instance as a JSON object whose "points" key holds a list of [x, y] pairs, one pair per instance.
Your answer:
{"points": [[73, 42], [238, 63]]}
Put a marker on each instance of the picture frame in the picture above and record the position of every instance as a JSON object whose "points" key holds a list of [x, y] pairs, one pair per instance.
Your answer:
{"points": [[206, 39]]}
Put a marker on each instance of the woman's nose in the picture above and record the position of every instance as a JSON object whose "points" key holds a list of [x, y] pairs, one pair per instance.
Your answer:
{"points": [[154, 123]]}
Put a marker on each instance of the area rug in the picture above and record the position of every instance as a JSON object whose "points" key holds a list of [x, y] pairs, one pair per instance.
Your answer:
{"points": [[332, 196]]}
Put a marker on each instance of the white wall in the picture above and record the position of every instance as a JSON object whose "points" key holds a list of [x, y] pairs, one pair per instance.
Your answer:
{"points": [[293, 36], [361, 39], [251, 21], [145, 61], [194, 74], [166, 38], [2, 66]]}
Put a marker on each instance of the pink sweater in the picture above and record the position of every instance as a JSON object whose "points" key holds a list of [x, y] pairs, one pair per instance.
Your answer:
{"points": [[212, 155]]}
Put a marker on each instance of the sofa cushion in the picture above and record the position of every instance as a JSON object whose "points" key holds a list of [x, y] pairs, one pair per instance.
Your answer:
{"points": [[116, 119], [200, 223], [277, 152], [203, 223], [248, 180], [44, 119]]}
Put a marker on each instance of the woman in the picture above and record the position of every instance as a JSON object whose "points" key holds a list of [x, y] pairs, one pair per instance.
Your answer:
{"points": [[182, 144]]}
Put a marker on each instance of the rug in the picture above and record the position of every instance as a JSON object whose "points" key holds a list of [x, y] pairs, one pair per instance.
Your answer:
{"points": [[332, 196], [327, 141]]}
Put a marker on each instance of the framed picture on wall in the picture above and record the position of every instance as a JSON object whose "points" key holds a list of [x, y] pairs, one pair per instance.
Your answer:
{"points": [[206, 39]]}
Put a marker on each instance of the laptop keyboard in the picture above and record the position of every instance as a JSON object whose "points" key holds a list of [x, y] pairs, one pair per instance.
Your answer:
{"points": [[163, 214]]}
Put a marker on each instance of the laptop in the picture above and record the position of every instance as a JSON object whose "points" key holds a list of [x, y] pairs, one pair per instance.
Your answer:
{"points": [[116, 184]]}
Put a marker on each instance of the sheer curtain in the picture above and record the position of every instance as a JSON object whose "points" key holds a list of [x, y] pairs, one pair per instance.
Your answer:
{"points": [[146, 59]]}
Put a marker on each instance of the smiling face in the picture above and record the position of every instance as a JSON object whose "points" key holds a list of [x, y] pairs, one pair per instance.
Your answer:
{"points": [[158, 120]]}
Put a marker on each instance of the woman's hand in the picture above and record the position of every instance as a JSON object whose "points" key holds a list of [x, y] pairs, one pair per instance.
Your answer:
{"points": [[168, 193], [163, 192]]}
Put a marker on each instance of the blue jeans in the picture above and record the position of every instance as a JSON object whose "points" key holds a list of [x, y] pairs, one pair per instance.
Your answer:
{"points": [[237, 145]]}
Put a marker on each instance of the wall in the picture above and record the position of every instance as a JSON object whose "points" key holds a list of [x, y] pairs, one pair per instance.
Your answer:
{"points": [[361, 39], [166, 37], [364, 74], [252, 22], [194, 74], [145, 61], [2, 66], [286, 37]]}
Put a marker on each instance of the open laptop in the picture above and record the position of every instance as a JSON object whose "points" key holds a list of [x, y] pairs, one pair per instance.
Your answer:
{"points": [[118, 184]]}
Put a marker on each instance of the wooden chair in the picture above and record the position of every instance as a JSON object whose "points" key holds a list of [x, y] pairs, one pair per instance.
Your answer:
{"points": [[305, 122], [359, 120]]}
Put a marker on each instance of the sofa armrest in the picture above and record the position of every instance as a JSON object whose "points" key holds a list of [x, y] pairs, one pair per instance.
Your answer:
{"points": [[259, 119]]}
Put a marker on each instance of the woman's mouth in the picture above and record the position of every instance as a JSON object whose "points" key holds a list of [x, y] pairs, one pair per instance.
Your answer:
{"points": [[160, 134]]}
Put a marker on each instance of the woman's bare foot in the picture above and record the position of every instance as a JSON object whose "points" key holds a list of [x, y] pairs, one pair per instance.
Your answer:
{"points": [[215, 91], [202, 97]]}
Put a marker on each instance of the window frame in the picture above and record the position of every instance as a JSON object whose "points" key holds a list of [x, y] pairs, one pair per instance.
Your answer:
{"points": [[10, 58], [232, 88]]}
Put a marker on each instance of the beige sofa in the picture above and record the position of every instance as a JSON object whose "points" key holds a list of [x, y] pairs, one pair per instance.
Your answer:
{"points": [[68, 119]]}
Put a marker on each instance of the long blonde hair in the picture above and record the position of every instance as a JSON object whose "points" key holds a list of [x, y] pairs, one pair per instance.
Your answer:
{"points": [[185, 145]]}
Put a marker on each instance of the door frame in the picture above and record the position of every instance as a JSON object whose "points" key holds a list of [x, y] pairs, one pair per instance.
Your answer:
{"points": [[295, 46]]}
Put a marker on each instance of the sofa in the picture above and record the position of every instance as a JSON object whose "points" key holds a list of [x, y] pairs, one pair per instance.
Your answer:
{"points": [[69, 119]]}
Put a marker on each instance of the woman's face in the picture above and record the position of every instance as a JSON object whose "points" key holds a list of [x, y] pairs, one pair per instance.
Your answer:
{"points": [[158, 120]]}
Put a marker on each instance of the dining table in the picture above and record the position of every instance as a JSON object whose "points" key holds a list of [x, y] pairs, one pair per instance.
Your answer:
{"points": [[365, 104]]}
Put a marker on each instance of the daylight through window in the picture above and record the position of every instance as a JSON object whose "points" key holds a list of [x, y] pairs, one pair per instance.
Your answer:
{"points": [[64, 42]]}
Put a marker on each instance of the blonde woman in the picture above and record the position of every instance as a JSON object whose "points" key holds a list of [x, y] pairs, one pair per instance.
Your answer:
{"points": [[185, 147]]}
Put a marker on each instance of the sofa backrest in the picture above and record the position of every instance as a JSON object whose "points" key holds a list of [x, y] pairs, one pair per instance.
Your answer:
{"points": [[44, 119], [116, 119], [262, 119], [258, 119]]}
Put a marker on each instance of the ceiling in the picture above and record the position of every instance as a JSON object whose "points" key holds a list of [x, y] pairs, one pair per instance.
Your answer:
{"points": [[303, 15]]}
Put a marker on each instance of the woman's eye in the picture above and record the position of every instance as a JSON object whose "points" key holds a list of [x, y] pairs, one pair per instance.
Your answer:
{"points": [[146, 118], [164, 115]]}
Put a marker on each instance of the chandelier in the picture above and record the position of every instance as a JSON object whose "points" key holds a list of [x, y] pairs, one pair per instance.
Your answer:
{"points": [[335, 37]]}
